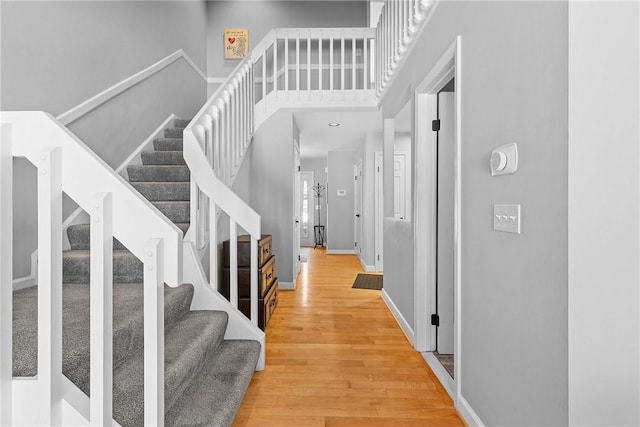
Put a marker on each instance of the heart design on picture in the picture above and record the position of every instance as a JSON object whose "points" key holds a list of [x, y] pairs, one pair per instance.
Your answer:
{"points": [[232, 40]]}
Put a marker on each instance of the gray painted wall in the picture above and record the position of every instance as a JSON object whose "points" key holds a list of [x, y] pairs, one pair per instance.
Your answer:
{"points": [[603, 244], [317, 166], [261, 16], [398, 265], [340, 209], [271, 192], [514, 288], [56, 55]]}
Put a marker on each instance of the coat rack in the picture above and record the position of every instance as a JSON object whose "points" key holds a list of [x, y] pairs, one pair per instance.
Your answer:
{"points": [[318, 229]]}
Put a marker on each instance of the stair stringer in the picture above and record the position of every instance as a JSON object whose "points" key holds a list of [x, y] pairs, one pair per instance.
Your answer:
{"points": [[207, 298]]}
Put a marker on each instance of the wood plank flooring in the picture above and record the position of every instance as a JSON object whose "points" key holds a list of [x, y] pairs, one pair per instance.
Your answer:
{"points": [[336, 357]]}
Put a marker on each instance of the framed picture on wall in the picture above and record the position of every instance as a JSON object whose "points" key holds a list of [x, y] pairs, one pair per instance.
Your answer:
{"points": [[236, 43]]}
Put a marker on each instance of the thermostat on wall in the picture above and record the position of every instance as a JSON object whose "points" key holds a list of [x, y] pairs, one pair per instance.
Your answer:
{"points": [[341, 193], [504, 160]]}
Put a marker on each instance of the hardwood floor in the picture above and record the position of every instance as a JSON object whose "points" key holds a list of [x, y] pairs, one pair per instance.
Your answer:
{"points": [[337, 357]]}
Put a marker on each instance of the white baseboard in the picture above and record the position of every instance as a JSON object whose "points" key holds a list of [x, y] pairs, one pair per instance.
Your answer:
{"points": [[466, 411], [340, 252], [32, 278], [366, 267], [441, 373], [404, 325], [289, 286]]}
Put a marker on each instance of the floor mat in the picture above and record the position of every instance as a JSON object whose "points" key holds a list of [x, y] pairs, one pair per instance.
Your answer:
{"points": [[368, 281]]}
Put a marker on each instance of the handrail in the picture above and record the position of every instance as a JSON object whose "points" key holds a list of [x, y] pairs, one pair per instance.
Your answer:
{"points": [[33, 130], [94, 102]]}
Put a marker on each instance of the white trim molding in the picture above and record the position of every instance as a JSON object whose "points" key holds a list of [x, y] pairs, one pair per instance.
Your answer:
{"points": [[425, 207], [94, 102], [466, 411], [404, 325], [32, 278], [441, 373], [340, 252], [287, 286], [216, 80]]}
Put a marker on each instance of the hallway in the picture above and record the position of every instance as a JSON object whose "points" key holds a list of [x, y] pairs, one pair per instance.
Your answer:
{"points": [[336, 357]]}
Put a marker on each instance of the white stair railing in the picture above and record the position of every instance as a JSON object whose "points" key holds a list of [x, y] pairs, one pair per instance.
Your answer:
{"points": [[399, 22], [116, 209], [288, 68]]}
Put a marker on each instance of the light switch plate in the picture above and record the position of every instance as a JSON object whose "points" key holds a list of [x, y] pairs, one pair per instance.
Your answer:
{"points": [[507, 218]]}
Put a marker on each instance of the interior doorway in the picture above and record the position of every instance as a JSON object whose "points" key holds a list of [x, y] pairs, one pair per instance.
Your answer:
{"points": [[445, 305], [296, 211], [378, 210], [306, 208]]}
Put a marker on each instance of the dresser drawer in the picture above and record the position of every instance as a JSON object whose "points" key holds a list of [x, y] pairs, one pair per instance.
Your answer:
{"points": [[266, 306], [266, 275], [244, 251]]}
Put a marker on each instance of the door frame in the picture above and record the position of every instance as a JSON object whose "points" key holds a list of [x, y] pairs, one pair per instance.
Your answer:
{"points": [[425, 209], [296, 211], [357, 203], [378, 216]]}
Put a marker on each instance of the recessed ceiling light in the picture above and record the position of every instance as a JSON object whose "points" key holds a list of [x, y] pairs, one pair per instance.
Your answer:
{"points": [[334, 124]]}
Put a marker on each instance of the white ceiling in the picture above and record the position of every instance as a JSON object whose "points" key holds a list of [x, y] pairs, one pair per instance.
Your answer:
{"points": [[317, 137]]}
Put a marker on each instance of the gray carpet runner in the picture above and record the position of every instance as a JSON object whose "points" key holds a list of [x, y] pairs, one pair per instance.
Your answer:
{"points": [[206, 376]]}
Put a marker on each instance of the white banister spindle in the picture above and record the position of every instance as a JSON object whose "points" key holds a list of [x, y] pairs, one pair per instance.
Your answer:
{"points": [[208, 131], [320, 63], [6, 273], [220, 136], [298, 71], [353, 64], [153, 334], [254, 281], [275, 68], [365, 63], [342, 86], [213, 244], [264, 75], [50, 284], [233, 264], [331, 50], [101, 312], [286, 62], [193, 212], [309, 64]]}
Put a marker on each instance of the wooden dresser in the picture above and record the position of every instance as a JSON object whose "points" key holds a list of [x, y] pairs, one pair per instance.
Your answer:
{"points": [[267, 279]]}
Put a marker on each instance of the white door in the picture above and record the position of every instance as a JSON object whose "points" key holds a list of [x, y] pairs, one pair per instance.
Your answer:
{"points": [[296, 212], [357, 203], [379, 210], [306, 209], [400, 186], [444, 283]]}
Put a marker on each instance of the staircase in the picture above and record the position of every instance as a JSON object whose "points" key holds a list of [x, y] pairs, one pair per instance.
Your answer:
{"points": [[205, 375]]}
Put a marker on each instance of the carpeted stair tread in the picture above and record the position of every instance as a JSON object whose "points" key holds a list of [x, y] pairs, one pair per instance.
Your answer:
{"points": [[162, 158], [127, 268], [167, 144], [173, 132], [181, 123], [188, 346], [127, 326], [176, 211], [80, 237], [214, 396], [158, 173], [164, 191]]}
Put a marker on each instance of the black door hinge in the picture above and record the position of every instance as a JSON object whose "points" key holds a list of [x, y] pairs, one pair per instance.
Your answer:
{"points": [[435, 320], [298, 168], [435, 125]]}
